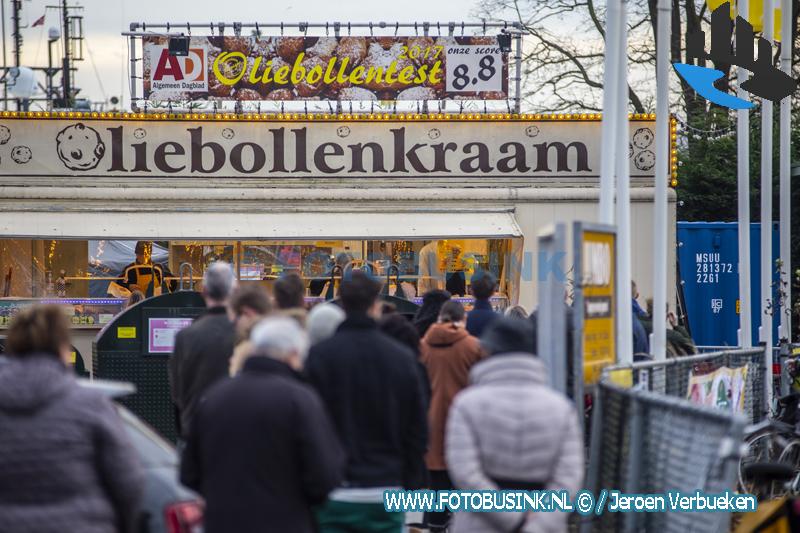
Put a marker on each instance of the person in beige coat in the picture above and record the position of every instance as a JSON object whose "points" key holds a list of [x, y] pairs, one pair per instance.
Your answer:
{"points": [[510, 431], [448, 353]]}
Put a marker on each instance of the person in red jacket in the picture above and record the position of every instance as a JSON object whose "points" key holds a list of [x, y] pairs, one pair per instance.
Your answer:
{"points": [[448, 353]]}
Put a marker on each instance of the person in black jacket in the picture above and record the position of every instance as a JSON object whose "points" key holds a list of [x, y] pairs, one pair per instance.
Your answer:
{"points": [[261, 448], [203, 350], [372, 389], [483, 285]]}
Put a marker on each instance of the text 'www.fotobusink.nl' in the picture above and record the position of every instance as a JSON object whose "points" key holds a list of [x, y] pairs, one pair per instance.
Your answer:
{"points": [[548, 501]]}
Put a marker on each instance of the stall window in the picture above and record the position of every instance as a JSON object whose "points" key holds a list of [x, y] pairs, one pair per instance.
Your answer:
{"points": [[33, 268]]}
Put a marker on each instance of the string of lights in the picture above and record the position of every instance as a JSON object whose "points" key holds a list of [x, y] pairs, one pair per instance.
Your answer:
{"points": [[711, 134]]}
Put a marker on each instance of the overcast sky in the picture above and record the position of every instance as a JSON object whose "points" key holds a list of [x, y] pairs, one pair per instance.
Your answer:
{"points": [[103, 73]]}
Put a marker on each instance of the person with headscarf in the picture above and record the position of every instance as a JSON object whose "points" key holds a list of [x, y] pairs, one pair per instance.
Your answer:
{"points": [[428, 313]]}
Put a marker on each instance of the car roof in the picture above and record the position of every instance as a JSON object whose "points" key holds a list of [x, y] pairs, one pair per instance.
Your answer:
{"points": [[111, 389]]}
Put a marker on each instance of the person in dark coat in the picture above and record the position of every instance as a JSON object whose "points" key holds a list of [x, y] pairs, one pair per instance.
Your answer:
{"points": [[372, 389], [428, 313], [641, 340], [203, 350], [483, 286], [261, 448], [66, 463], [400, 329]]}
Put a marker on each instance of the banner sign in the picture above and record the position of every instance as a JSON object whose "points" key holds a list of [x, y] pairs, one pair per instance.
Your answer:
{"points": [[595, 280], [326, 68], [724, 388], [313, 149]]}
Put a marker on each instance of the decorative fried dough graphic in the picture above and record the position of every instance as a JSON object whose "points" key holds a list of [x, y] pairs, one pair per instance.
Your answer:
{"points": [[21, 154], [80, 147]]}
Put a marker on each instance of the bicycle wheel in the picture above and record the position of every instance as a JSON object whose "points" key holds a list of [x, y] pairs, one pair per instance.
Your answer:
{"points": [[762, 448], [791, 456]]}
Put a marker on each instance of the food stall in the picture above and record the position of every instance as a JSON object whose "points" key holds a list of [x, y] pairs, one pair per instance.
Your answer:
{"points": [[424, 200]]}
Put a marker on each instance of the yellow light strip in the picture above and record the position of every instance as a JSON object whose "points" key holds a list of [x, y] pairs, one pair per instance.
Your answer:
{"points": [[244, 117], [673, 152]]}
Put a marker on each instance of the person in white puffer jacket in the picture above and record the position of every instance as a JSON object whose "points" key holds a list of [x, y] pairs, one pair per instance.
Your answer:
{"points": [[509, 430]]}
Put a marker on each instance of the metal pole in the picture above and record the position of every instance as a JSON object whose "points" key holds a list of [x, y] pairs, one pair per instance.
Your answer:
{"points": [[16, 6], [375, 25], [50, 74], [624, 307], [551, 320], [5, 64], [663, 164], [518, 74], [785, 195], [65, 64], [609, 123], [134, 99], [743, 193], [766, 222]]}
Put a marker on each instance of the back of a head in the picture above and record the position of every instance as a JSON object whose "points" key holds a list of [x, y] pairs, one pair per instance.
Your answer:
{"points": [[358, 292], [516, 311], [509, 335], [483, 285], [279, 337], [250, 296], [218, 281], [343, 259], [428, 313], [322, 321], [432, 302], [289, 291], [38, 329], [452, 311], [399, 328]]}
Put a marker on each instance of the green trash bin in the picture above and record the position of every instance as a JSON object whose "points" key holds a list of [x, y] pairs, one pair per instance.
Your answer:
{"points": [[136, 347]]}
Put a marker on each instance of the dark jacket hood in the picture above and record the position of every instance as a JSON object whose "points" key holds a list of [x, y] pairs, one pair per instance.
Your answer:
{"points": [[444, 334], [32, 382]]}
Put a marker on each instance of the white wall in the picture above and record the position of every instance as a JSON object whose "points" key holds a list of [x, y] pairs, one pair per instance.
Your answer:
{"points": [[533, 217]]}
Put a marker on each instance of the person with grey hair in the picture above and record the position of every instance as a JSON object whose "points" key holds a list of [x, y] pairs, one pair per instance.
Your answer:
{"points": [[261, 449], [218, 283], [202, 351], [322, 321]]}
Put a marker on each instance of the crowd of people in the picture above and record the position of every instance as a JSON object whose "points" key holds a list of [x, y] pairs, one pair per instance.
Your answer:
{"points": [[296, 420]]}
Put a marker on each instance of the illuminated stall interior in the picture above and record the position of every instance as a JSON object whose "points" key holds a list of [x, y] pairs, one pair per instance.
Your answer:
{"points": [[82, 274]]}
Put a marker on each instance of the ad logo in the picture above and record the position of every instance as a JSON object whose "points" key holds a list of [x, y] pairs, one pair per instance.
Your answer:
{"points": [[187, 73], [767, 81]]}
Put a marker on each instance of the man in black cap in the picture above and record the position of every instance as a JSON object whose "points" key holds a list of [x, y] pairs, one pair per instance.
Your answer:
{"points": [[142, 274]]}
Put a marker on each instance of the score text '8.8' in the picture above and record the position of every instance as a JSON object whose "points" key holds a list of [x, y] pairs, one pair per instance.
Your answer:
{"points": [[474, 68]]}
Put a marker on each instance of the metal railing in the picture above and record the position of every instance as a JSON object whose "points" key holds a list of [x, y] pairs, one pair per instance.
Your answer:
{"points": [[647, 437], [644, 442], [671, 376]]}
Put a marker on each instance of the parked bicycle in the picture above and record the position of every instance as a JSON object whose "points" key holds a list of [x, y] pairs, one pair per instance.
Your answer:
{"points": [[770, 462]]}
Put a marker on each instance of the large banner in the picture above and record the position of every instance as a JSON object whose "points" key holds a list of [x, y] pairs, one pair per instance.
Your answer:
{"points": [[326, 68], [724, 388], [552, 150]]}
